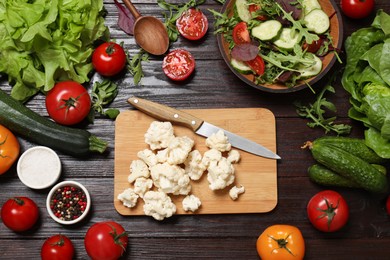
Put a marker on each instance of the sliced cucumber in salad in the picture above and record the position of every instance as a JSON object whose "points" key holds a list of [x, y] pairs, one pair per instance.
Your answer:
{"points": [[287, 39], [243, 10], [240, 66], [267, 30], [312, 70], [310, 5], [317, 21]]}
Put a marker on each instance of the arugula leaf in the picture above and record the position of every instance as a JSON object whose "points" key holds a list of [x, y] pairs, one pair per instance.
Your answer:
{"points": [[135, 65], [103, 93]]}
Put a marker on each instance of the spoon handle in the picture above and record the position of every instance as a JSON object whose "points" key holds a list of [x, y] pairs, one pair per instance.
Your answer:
{"points": [[132, 9]]}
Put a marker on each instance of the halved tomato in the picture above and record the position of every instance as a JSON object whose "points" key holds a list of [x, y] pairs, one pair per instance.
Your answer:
{"points": [[178, 64], [192, 24], [241, 33], [257, 65]]}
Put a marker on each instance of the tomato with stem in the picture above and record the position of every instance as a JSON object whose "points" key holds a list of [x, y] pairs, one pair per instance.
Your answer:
{"points": [[19, 213], [57, 247], [9, 149], [109, 59], [357, 9]]}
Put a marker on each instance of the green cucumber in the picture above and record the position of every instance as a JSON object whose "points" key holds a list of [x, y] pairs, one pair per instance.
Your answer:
{"points": [[267, 30], [310, 5], [243, 10], [313, 69], [317, 21], [240, 66], [354, 146], [287, 39], [32, 126], [326, 177], [349, 166]]}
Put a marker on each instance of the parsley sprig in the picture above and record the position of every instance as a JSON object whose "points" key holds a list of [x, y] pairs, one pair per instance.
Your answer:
{"points": [[135, 65], [103, 93]]}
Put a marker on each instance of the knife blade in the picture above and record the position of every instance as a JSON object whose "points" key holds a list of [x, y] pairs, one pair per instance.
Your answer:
{"points": [[199, 126]]}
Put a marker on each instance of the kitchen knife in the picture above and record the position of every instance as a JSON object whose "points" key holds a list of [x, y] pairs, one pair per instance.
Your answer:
{"points": [[199, 126]]}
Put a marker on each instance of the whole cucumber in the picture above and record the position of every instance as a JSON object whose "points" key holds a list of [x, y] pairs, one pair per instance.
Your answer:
{"points": [[354, 146], [349, 166], [326, 177]]}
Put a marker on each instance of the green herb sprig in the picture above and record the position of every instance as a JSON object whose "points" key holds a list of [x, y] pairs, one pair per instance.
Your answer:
{"points": [[103, 93], [135, 65]]}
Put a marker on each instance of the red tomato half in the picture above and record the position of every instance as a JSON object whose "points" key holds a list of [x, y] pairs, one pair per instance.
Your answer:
{"points": [[57, 247], [178, 64], [192, 24], [241, 33], [328, 211], [19, 214], [106, 241], [68, 103], [357, 8], [257, 65], [109, 59]]}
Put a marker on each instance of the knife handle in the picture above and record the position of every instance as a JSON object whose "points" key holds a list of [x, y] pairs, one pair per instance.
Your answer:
{"points": [[166, 113]]}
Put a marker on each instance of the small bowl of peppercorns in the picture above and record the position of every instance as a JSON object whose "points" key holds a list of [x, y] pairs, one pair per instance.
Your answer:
{"points": [[68, 202]]}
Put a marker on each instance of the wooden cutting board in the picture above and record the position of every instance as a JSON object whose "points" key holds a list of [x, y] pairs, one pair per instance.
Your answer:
{"points": [[257, 174]]}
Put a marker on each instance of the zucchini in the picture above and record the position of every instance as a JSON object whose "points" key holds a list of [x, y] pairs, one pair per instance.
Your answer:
{"points": [[243, 10], [317, 21], [312, 70], [287, 39], [267, 30], [30, 125], [349, 166], [354, 146], [240, 66], [326, 177]]}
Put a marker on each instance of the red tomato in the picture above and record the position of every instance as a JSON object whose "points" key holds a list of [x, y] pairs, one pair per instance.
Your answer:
{"points": [[68, 103], [19, 213], [241, 33], [9, 149], [105, 241], [357, 8], [192, 24], [178, 64], [57, 247], [257, 65], [109, 59], [388, 205], [328, 211]]}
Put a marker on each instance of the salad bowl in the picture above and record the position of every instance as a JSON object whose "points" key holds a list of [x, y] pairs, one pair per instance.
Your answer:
{"points": [[335, 32]]}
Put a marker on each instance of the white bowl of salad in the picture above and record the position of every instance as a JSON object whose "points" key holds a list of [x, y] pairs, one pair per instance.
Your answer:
{"points": [[279, 46]]}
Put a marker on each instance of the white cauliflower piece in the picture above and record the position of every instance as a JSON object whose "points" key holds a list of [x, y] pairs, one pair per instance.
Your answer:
{"points": [[142, 185], [194, 166], [219, 141], [159, 134], [170, 179], [158, 205], [191, 203], [210, 156], [220, 174], [138, 168], [235, 191], [128, 197], [177, 150], [148, 157], [234, 156]]}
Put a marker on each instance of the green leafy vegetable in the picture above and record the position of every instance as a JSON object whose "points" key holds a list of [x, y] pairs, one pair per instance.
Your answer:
{"points": [[45, 41], [135, 65], [103, 93], [367, 78]]}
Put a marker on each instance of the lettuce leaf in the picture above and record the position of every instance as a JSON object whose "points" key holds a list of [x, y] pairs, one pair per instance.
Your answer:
{"points": [[45, 41]]}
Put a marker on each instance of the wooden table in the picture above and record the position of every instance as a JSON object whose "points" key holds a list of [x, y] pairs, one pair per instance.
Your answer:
{"points": [[231, 236]]}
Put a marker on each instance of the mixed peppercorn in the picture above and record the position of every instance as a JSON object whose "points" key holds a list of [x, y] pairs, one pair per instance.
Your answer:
{"points": [[68, 203]]}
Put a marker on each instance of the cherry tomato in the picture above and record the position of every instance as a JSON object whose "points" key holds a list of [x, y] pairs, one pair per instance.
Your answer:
{"points": [[388, 205], [192, 24], [257, 65], [9, 149], [328, 211], [178, 64], [57, 247], [281, 242], [106, 241], [357, 8], [19, 214], [241, 33], [109, 59], [68, 103]]}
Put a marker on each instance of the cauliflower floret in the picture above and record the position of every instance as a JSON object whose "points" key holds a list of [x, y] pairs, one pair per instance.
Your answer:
{"points": [[138, 168], [210, 156], [158, 205], [148, 157], [177, 150], [170, 179], [191, 203], [142, 185], [219, 141], [220, 174], [234, 156], [194, 166], [235, 191], [159, 135], [128, 197]]}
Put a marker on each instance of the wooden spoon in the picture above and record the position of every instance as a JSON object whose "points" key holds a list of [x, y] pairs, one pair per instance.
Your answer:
{"points": [[149, 32]]}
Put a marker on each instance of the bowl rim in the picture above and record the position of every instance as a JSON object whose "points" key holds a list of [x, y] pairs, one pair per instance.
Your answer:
{"points": [[302, 85], [55, 174], [68, 183]]}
